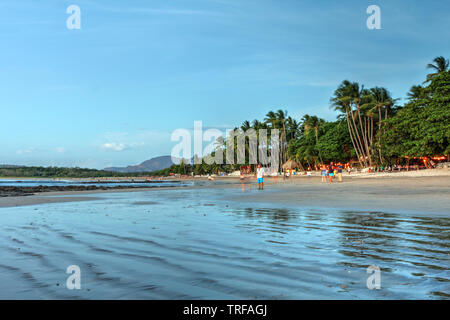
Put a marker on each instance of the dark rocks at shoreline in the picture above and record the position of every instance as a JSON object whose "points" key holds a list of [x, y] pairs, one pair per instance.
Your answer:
{"points": [[131, 181], [117, 181], [12, 191]]}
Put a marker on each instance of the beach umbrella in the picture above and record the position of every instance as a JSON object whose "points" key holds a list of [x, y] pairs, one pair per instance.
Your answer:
{"points": [[291, 164]]}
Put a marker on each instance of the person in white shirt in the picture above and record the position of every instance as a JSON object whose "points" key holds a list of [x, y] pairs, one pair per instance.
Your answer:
{"points": [[259, 177]]}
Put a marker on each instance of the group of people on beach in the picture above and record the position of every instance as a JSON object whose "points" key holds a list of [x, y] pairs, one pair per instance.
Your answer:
{"points": [[332, 170]]}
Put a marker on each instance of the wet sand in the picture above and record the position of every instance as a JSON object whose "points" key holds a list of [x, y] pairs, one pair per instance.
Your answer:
{"points": [[35, 200], [222, 242], [66, 196], [429, 194]]}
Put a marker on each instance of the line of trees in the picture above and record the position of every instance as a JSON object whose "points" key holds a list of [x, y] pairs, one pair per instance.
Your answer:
{"points": [[422, 126], [371, 128], [381, 131], [61, 172]]}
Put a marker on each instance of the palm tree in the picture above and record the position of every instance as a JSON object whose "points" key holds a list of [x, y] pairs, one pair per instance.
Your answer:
{"points": [[245, 125], [281, 119], [271, 119], [292, 128], [312, 123], [415, 92], [440, 65], [258, 125], [343, 101], [376, 99], [277, 120], [360, 99]]}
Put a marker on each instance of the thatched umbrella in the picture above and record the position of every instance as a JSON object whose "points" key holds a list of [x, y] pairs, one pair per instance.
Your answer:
{"points": [[291, 164]]}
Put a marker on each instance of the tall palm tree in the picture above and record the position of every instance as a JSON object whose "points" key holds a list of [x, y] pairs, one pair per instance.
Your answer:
{"points": [[258, 125], [345, 96], [415, 92], [271, 119], [440, 65], [312, 124], [292, 128], [281, 123], [245, 125], [377, 99], [361, 97], [277, 120]]}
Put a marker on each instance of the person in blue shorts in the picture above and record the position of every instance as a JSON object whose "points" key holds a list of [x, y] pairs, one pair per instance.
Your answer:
{"points": [[324, 173], [259, 177], [330, 172]]}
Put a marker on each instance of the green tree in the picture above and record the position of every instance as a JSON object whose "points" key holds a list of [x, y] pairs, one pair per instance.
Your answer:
{"points": [[440, 66], [347, 99], [422, 126]]}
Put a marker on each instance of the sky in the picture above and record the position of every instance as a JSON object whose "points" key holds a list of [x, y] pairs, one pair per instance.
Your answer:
{"points": [[112, 92]]}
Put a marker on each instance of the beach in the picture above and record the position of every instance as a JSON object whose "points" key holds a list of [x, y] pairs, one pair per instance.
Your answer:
{"points": [[427, 191], [428, 195], [297, 239]]}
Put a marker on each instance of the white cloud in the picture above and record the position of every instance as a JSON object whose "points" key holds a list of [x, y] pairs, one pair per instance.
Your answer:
{"points": [[120, 141], [60, 150], [113, 146], [26, 150]]}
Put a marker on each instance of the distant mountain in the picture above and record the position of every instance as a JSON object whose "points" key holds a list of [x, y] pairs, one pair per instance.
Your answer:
{"points": [[153, 164], [9, 166]]}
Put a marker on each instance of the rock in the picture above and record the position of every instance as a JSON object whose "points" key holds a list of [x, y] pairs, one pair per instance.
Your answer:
{"points": [[13, 191]]}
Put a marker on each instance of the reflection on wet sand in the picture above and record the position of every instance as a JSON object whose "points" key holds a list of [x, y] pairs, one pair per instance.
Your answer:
{"points": [[191, 244], [369, 238]]}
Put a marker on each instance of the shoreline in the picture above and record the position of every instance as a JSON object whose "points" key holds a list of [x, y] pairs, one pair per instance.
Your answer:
{"points": [[427, 194], [444, 172]]}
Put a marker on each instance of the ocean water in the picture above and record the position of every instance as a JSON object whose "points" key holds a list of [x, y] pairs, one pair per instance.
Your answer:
{"points": [[198, 244], [109, 183]]}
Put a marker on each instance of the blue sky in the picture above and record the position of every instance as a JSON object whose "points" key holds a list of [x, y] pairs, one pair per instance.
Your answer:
{"points": [[112, 92]]}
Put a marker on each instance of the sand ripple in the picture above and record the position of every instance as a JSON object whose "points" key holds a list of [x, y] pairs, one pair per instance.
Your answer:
{"points": [[177, 245]]}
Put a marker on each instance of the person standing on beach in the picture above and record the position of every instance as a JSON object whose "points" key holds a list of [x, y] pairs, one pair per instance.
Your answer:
{"points": [[259, 177], [324, 173], [330, 172], [339, 171]]}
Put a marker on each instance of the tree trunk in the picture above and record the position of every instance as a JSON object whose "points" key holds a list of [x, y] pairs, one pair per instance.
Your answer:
{"points": [[371, 130], [358, 138], [352, 139], [368, 144], [364, 138], [379, 134], [358, 142]]}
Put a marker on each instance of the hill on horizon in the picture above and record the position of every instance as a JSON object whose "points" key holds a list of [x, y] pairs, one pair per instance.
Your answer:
{"points": [[10, 166], [153, 164]]}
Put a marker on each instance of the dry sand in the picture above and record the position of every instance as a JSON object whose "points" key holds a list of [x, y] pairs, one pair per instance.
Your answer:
{"points": [[410, 194]]}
